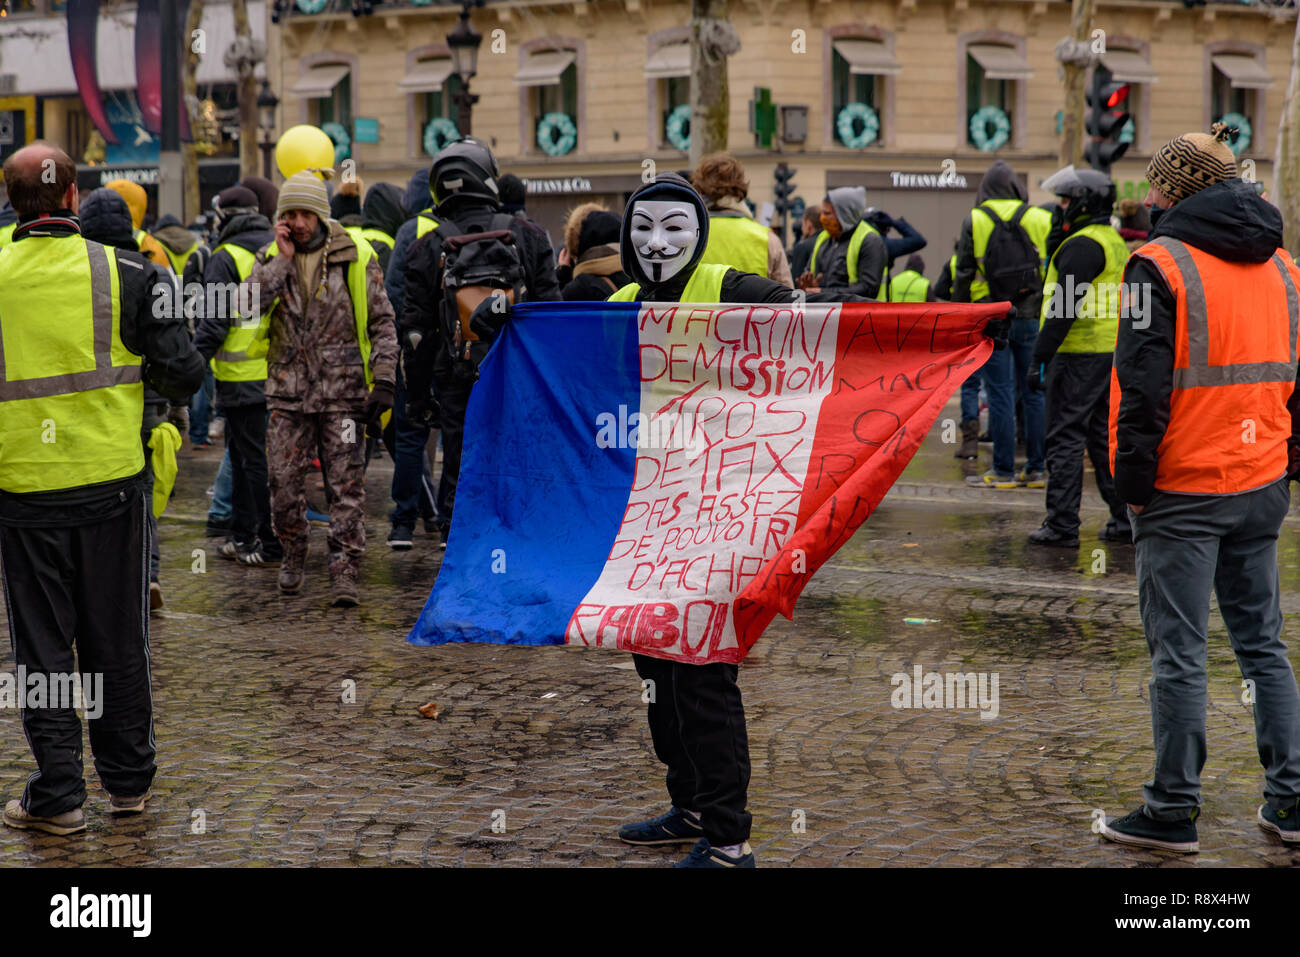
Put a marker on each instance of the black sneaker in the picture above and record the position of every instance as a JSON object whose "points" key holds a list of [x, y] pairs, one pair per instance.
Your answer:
{"points": [[1113, 531], [1285, 823], [401, 538], [272, 552], [430, 526], [445, 533], [1046, 535], [704, 854], [675, 827], [1142, 831], [216, 529]]}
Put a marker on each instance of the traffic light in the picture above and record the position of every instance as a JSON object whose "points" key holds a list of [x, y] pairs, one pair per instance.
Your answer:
{"points": [[783, 190], [1106, 115]]}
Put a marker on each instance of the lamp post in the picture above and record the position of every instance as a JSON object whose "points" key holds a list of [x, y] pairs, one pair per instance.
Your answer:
{"points": [[464, 42], [266, 104]]}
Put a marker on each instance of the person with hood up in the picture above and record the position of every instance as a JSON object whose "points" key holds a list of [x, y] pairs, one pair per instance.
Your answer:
{"points": [[850, 254], [382, 216], [735, 239], [1005, 375], [105, 219], [137, 200], [224, 337], [177, 242], [590, 254], [463, 184], [1204, 434], [697, 718], [1073, 352], [331, 368]]}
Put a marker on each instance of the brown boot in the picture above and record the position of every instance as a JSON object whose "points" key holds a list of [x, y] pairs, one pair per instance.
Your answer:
{"points": [[970, 440], [343, 588], [291, 567]]}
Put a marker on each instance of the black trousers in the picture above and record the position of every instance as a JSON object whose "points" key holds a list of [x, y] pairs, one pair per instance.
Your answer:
{"points": [[250, 491], [697, 722], [1078, 405], [78, 601], [453, 381]]}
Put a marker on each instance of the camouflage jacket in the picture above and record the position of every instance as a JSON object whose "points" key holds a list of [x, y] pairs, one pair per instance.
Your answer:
{"points": [[314, 360]]}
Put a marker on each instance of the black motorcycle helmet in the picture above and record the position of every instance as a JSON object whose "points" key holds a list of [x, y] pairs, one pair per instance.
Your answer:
{"points": [[1091, 194], [465, 169]]}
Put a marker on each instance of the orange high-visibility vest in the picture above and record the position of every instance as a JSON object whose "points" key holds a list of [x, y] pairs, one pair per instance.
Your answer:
{"points": [[1234, 370]]}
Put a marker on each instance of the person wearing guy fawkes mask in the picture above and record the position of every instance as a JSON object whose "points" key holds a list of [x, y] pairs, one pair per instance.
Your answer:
{"points": [[697, 720], [1074, 350]]}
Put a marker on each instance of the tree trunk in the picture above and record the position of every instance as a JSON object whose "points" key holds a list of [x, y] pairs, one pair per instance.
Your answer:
{"points": [[246, 96], [1072, 132], [1286, 169], [189, 91], [710, 102]]}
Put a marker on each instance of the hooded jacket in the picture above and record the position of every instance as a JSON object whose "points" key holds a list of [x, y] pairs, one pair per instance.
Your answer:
{"points": [[173, 235], [1228, 221], [383, 210], [415, 199], [250, 231], [137, 200], [999, 182], [850, 204], [737, 286]]}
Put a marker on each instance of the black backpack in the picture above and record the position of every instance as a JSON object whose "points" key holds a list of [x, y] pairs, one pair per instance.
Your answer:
{"points": [[1012, 266], [476, 264]]}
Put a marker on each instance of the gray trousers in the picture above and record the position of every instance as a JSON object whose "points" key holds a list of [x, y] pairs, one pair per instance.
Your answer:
{"points": [[1186, 545]]}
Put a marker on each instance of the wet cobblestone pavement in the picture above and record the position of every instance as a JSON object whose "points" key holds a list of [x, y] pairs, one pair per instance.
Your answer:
{"points": [[261, 762]]}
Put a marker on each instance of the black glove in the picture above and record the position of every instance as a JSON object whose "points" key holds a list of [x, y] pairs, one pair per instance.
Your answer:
{"points": [[489, 316], [1037, 372], [379, 401], [999, 330], [422, 412], [880, 219]]}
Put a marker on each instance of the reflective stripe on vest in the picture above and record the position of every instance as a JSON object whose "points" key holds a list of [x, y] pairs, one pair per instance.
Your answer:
{"points": [[705, 285], [357, 292], [378, 236], [71, 398], [1234, 370], [1036, 222], [738, 242], [1096, 323], [860, 233], [232, 363], [908, 286]]}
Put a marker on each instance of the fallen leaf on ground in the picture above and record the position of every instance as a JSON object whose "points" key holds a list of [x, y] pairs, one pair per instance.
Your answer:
{"points": [[429, 710]]}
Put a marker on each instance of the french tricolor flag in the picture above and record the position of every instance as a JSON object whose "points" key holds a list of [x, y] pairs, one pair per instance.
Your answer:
{"points": [[664, 478]]}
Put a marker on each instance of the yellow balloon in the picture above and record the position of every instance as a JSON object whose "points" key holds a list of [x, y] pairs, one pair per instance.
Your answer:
{"points": [[301, 147]]}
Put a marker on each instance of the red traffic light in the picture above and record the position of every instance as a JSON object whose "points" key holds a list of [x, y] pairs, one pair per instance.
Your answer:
{"points": [[1118, 96]]}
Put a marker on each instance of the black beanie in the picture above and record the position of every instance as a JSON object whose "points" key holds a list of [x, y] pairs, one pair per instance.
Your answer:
{"points": [[599, 229]]}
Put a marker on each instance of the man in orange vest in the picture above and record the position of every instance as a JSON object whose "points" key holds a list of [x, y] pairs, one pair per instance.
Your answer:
{"points": [[1203, 438]]}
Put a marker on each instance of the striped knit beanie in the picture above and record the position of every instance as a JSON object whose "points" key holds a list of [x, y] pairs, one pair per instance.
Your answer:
{"points": [[303, 190], [1193, 161]]}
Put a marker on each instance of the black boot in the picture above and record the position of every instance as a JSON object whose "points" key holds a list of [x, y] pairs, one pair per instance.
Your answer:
{"points": [[970, 433], [1051, 537]]}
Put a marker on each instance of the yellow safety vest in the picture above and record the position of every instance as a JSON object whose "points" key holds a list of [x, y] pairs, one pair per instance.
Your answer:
{"points": [[378, 236], [7, 234], [71, 397], [178, 260], [232, 363], [705, 285], [1096, 322], [425, 223], [1036, 222], [738, 242], [356, 291], [908, 286], [860, 233]]}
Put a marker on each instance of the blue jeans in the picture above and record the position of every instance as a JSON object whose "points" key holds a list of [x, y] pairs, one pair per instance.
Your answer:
{"points": [[1006, 380], [970, 397], [201, 409], [412, 478], [222, 509]]}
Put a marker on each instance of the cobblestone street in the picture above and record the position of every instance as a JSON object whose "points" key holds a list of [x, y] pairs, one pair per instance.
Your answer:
{"points": [[262, 762]]}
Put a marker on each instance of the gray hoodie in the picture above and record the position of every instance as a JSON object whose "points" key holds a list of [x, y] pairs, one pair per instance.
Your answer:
{"points": [[850, 205]]}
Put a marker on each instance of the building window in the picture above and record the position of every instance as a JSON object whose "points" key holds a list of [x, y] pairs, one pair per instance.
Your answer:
{"points": [[996, 77], [336, 107], [442, 103], [549, 99], [559, 97], [848, 87], [1236, 82], [667, 72], [674, 92]]}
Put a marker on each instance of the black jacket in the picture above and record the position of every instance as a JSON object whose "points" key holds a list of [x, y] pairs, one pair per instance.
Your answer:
{"points": [[800, 253], [249, 231], [1229, 221], [588, 287], [383, 210], [171, 367], [1084, 260], [998, 183], [423, 295]]}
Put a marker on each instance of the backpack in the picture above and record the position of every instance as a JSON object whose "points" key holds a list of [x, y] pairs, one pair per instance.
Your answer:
{"points": [[1011, 261], [475, 265]]}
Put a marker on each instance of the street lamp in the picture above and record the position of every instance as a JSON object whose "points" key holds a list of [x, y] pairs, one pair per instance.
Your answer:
{"points": [[266, 104], [464, 42]]}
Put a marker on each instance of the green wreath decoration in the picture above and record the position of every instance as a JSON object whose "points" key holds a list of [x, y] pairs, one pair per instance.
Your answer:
{"points": [[678, 127], [1241, 143], [846, 125], [556, 134], [342, 142], [438, 132], [980, 122], [311, 6]]}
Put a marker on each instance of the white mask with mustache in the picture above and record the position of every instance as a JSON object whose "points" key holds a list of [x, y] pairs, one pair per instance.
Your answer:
{"points": [[664, 235]]}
